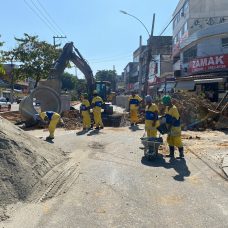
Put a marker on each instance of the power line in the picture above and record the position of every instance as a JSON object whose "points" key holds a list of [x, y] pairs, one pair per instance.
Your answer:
{"points": [[53, 21], [44, 16], [111, 57], [37, 14]]}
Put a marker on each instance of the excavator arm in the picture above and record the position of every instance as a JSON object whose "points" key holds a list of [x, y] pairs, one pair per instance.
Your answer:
{"points": [[70, 53], [49, 92]]}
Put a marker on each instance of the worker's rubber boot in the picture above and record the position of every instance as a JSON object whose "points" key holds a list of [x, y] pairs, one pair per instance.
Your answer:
{"points": [[181, 153], [171, 152]]}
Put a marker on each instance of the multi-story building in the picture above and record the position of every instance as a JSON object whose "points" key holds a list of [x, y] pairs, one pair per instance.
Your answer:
{"points": [[131, 76], [120, 85], [160, 68], [200, 46]]}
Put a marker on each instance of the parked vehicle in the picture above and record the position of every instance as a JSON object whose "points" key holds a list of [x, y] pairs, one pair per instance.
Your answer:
{"points": [[4, 104]]}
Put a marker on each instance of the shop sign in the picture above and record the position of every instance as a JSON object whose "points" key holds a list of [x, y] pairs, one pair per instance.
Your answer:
{"points": [[210, 63]]}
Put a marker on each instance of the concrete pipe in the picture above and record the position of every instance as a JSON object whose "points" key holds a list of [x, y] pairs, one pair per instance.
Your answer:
{"points": [[48, 98]]}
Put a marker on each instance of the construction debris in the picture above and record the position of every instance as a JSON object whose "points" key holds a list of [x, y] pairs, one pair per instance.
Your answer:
{"points": [[72, 119], [195, 112]]}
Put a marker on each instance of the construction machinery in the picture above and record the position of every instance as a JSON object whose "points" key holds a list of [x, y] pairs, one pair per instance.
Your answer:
{"points": [[49, 92]]}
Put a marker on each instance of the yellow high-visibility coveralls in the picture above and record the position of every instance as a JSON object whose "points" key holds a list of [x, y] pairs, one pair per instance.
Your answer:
{"points": [[85, 110], [151, 120], [134, 108], [173, 120], [97, 103], [54, 118]]}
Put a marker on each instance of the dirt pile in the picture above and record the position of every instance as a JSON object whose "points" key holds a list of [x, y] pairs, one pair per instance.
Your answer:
{"points": [[14, 116], [194, 111], [72, 120], [24, 160]]}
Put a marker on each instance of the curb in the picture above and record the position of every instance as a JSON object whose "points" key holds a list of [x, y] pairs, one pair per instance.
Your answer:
{"points": [[225, 165]]}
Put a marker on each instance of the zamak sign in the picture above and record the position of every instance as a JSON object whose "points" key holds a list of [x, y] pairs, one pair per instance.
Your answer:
{"points": [[210, 63]]}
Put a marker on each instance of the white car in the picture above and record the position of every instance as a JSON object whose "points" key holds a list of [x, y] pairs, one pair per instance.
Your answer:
{"points": [[4, 104]]}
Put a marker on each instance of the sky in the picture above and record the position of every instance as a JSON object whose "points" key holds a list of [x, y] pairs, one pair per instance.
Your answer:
{"points": [[105, 37]]}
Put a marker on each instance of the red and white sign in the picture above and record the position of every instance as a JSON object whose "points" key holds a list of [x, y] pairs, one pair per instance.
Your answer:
{"points": [[210, 63]]}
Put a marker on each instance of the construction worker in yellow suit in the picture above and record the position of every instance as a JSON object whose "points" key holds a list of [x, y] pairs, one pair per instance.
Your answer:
{"points": [[172, 117], [134, 102], [97, 104], [151, 118], [53, 118], [85, 111]]}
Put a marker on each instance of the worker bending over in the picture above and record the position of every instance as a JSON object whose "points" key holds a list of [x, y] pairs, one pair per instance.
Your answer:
{"points": [[151, 117], [85, 111], [53, 118], [134, 102], [97, 104], [172, 117]]}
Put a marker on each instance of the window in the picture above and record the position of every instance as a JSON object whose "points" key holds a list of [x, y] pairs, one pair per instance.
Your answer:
{"points": [[179, 36], [225, 42], [190, 54], [184, 28], [186, 7]]}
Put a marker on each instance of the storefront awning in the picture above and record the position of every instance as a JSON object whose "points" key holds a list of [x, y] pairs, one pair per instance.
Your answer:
{"points": [[209, 80], [185, 85]]}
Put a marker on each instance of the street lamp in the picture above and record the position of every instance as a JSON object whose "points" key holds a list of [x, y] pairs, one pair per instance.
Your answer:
{"points": [[124, 12], [149, 56]]}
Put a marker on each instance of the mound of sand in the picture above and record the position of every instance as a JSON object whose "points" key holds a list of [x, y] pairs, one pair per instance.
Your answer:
{"points": [[24, 160]]}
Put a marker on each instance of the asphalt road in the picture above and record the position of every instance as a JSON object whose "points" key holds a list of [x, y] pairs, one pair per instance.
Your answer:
{"points": [[108, 184]]}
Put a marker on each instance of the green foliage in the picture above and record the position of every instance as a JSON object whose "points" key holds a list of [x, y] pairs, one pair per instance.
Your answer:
{"points": [[73, 84], [69, 81], [35, 57], [2, 71], [81, 86], [107, 75]]}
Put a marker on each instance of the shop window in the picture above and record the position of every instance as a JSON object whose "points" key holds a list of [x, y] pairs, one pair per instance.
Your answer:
{"points": [[225, 42]]}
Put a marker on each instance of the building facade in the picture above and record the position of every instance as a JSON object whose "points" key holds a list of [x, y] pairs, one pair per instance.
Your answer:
{"points": [[200, 46], [131, 76]]}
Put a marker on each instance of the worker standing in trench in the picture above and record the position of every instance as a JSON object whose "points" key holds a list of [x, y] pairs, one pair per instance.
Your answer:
{"points": [[85, 111], [172, 117], [52, 118], [134, 102], [151, 118], [97, 104]]}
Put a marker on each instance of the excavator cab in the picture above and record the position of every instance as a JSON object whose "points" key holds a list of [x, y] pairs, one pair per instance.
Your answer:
{"points": [[104, 89]]}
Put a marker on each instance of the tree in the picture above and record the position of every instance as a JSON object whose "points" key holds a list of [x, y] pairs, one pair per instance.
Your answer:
{"points": [[73, 84], [69, 81], [107, 75], [35, 57], [81, 86], [2, 71]]}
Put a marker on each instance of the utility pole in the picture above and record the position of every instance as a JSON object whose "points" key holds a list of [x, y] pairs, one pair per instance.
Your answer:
{"points": [[149, 58], [12, 80], [58, 37]]}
